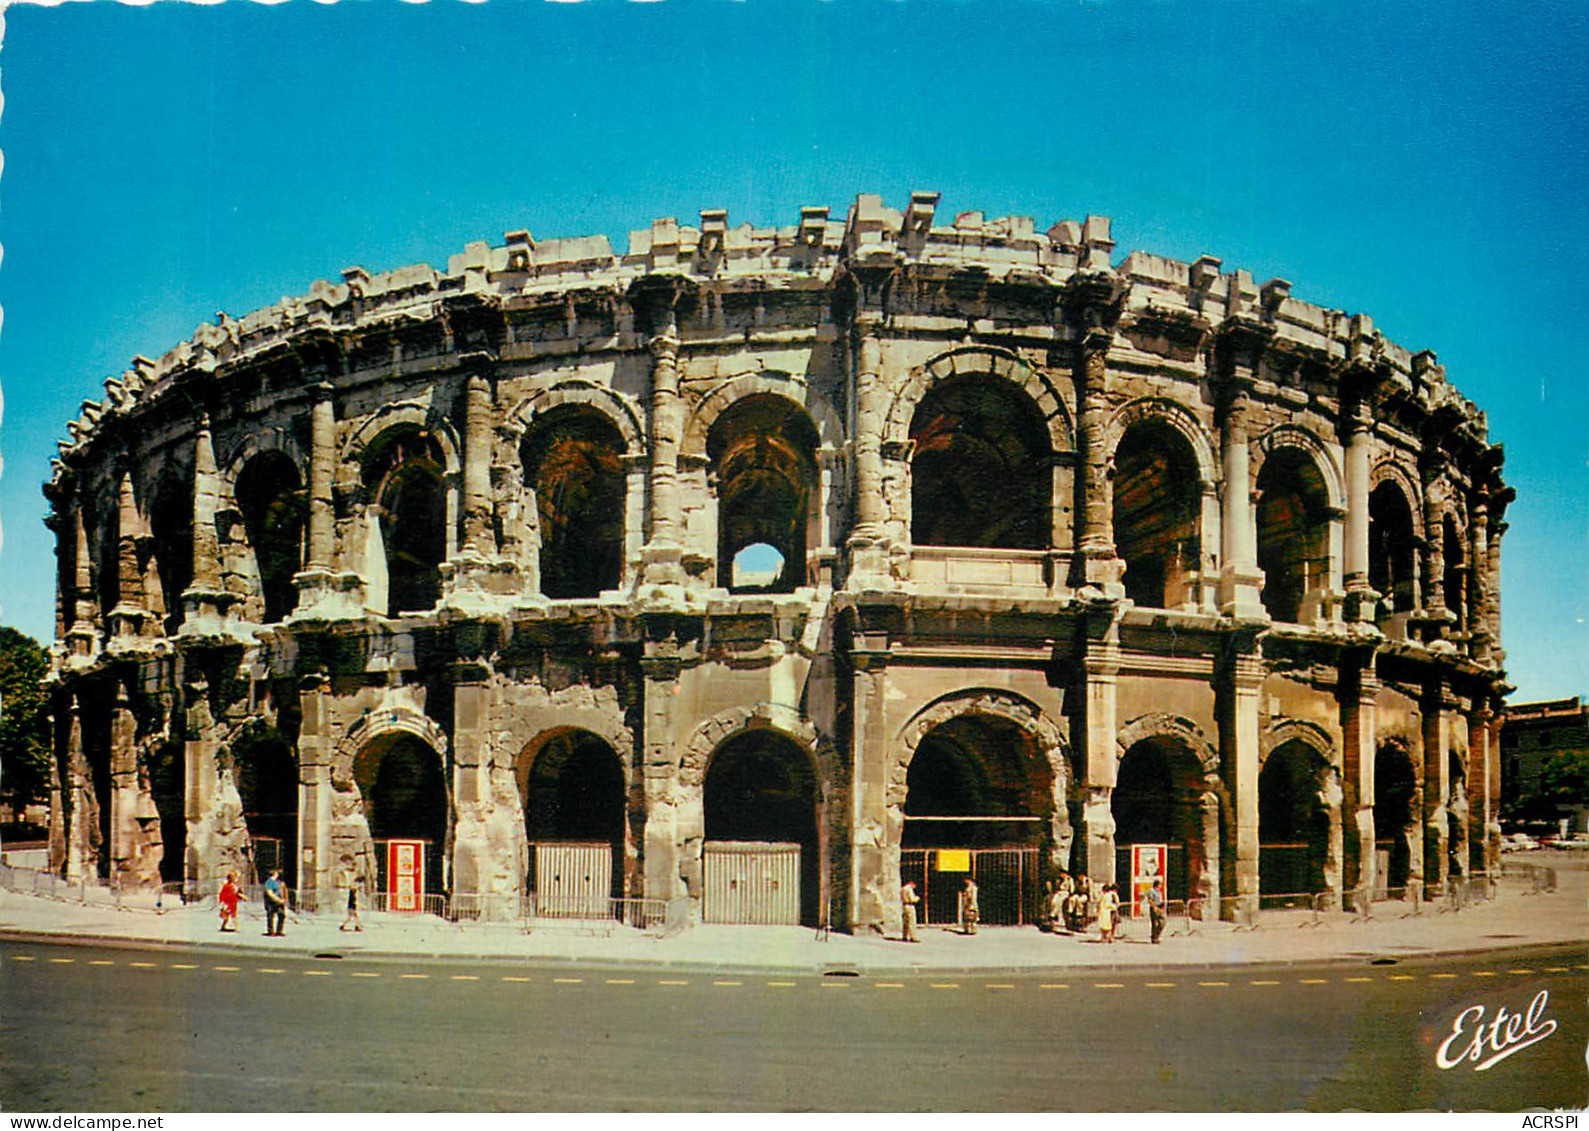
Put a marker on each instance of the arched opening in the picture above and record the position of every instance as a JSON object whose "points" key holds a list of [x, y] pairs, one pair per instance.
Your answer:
{"points": [[981, 470], [270, 496], [404, 787], [573, 459], [763, 454], [1159, 798], [1391, 551], [1157, 514], [1293, 534], [1454, 582], [571, 783], [978, 803], [1293, 825], [171, 524], [267, 782], [407, 485], [763, 853], [1395, 788]]}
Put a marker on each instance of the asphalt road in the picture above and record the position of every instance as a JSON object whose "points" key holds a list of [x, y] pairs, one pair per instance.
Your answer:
{"points": [[85, 1029]]}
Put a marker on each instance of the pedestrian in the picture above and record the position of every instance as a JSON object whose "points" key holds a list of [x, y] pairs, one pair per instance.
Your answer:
{"points": [[275, 905], [353, 907], [1059, 905], [1108, 912], [970, 910], [908, 900], [1155, 902], [230, 894]]}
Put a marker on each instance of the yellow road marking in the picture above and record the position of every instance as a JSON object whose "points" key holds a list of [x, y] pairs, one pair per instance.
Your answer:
{"points": [[100, 962], [1108, 985], [945, 985], [1160, 985], [670, 982], [1054, 986], [1001, 985], [1522, 971], [261, 970], [1359, 979], [414, 976], [1315, 981], [888, 985], [1581, 966], [781, 985], [364, 974], [184, 966], [63, 961], [1442, 975], [465, 977], [1213, 983], [728, 983], [144, 965], [1484, 973], [513, 978], [227, 969], [833, 985], [23, 958], [1264, 982], [620, 981], [1402, 977], [568, 981], [317, 973], [1556, 969]]}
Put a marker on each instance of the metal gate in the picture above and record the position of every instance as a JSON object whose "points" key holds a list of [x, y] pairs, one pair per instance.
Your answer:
{"points": [[573, 880], [1008, 882], [752, 882]]}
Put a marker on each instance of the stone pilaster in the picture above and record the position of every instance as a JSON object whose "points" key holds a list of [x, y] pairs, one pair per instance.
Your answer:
{"points": [[1101, 729], [130, 617], [82, 835], [1241, 690], [324, 592], [1479, 632], [477, 535], [1359, 690], [316, 748], [1436, 615], [672, 864], [1482, 816], [875, 828], [82, 641], [663, 554], [1494, 718], [489, 843], [1436, 780]]}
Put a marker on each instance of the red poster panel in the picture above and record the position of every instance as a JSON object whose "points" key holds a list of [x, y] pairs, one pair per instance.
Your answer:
{"points": [[405, 875], [1147, 864]]}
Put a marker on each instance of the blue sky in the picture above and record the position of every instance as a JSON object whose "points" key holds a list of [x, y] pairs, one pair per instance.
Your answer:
{"points": [[1427, 168]]}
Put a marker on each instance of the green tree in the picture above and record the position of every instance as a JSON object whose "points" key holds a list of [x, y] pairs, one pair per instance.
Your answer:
{"points": [[1564, 780], [24, 721]]}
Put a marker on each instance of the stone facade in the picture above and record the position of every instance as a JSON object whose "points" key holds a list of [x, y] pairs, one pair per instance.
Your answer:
{"points": [[840, 534]]}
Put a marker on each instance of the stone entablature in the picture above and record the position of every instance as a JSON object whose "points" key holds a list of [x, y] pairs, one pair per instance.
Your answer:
{"points": [[510, 515]]}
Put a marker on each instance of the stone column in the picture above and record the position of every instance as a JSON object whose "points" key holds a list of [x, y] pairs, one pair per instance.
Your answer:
{"points": [[123, 792], [1359, 691], [316, 749], [1481, 815], [1100, 567], [868, 537], [1479, 634], [205, 600], [489, 848], [82, 835], [1436, 617], [1097, 741], [130, 614], [876, 828], [1493, 550], [1492, 786], [477, 533], [1240, 580], [1436, 779], [81, 637], [663, 845], [322, 469], [663, 554], [1361, 600], [1239, 740]]}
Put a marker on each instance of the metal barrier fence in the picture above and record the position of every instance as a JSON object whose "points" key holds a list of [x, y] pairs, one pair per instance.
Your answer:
{"points": [[1007, 881]]}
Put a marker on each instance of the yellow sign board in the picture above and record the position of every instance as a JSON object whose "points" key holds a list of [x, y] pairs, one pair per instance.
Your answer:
{"points": [[954, 860]]}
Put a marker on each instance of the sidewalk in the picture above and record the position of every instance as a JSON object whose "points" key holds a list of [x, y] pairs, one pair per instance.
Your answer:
{"points": [[1511, 920]]}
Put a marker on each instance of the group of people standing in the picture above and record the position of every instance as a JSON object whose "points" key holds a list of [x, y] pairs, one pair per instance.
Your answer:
{"points": [[1073, 903], [275, 895]]}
